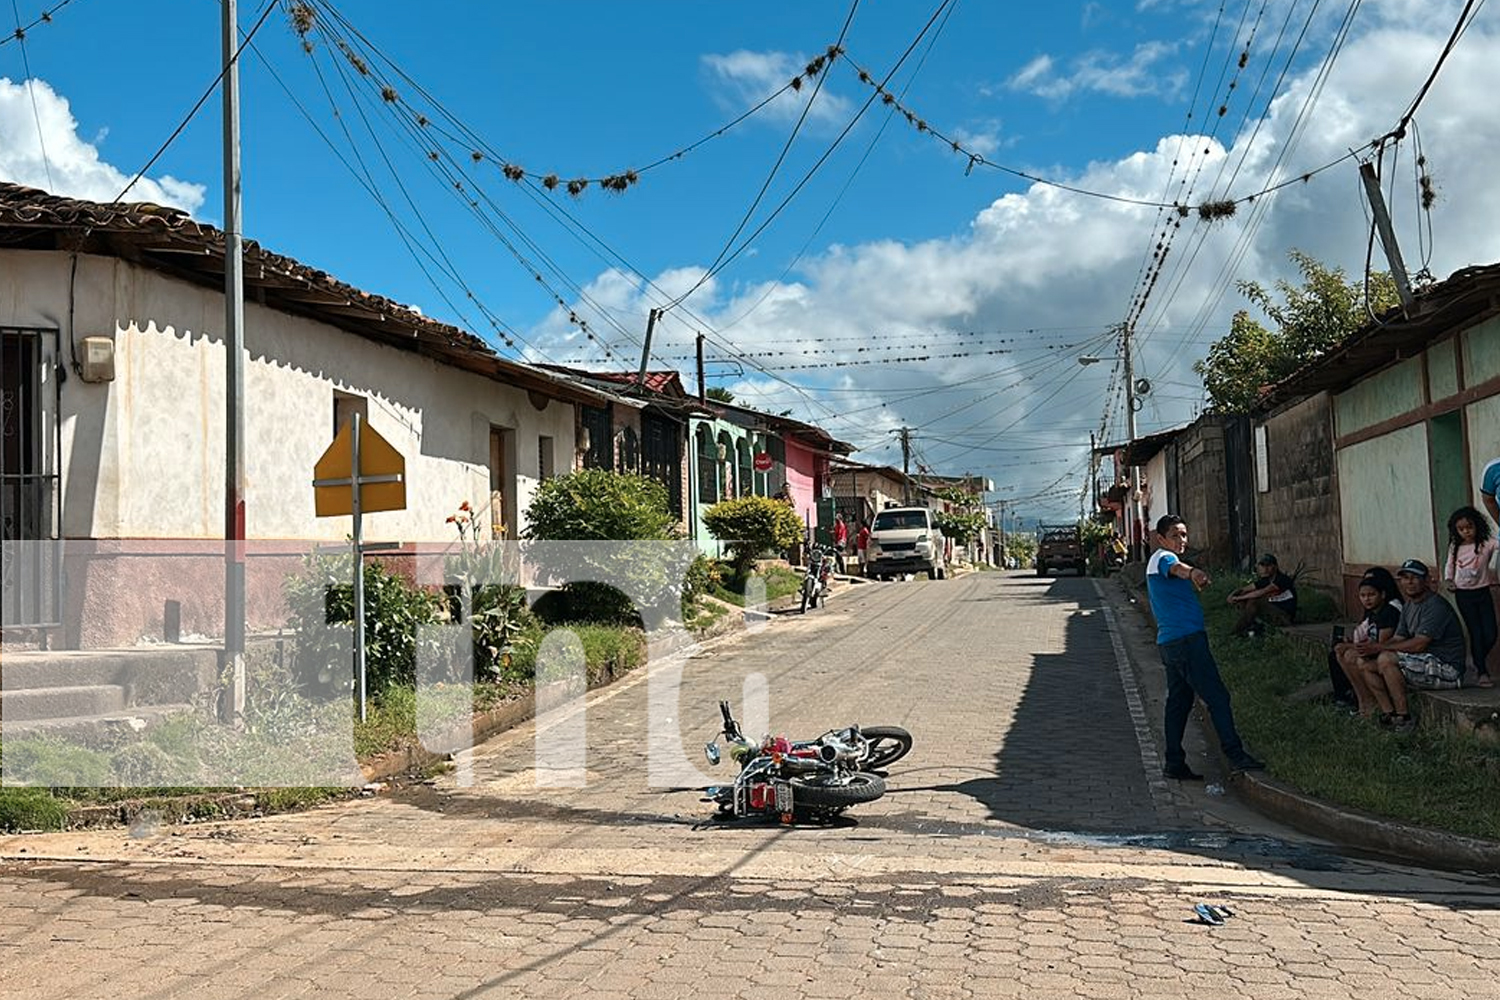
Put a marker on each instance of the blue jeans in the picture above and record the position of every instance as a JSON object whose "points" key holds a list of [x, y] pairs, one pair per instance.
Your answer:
{"points": [[1191, 670]]}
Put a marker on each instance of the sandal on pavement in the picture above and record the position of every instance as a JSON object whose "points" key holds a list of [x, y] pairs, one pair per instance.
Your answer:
{"points": [[1484, 681]]}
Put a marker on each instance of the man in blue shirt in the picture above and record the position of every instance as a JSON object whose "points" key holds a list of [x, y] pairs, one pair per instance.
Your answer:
{"points": [[1489, 484], [1182, 639]]}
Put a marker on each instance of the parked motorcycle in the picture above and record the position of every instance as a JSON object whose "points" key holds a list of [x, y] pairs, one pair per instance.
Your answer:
{"points": [[815, 582], [804, 780]]}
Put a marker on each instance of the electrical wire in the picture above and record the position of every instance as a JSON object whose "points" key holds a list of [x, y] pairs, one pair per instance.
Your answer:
{"points": [[36, 114], [22, 30], [193, 112]]}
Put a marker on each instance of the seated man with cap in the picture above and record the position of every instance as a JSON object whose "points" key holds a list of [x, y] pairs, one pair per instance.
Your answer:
{"points": [[1426, 651], [1271, 598]]}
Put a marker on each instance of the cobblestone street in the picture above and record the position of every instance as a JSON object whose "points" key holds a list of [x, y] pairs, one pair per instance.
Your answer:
{"points": [[1026, 848]]}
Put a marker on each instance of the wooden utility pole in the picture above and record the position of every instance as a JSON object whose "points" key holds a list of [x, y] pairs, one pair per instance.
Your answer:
{"points": [[646, 346], [905, 433], [702, 392], [1387, 234]]}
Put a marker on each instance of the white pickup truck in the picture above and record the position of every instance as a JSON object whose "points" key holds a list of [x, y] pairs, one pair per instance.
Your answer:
{"points": [[905, 540]]}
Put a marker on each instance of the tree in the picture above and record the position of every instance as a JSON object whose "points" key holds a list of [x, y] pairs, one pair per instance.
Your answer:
{"points": [[597, 505], [1307, 322], [751, 525], [720, 394]]}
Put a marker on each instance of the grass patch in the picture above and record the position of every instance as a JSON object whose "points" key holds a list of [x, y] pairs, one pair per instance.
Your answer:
{"points": [[31, 809], [780, 581], [702, 616], [1433, 778]]}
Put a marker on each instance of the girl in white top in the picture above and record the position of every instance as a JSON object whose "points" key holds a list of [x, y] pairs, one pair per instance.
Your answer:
{"points": [[1469, 574]]}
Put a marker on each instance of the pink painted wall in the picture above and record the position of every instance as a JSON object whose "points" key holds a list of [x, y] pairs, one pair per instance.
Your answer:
{"points": [[801, 464]]}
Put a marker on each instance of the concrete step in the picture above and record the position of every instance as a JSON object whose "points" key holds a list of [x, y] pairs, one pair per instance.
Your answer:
{"points": [[27, 669], [31, 704], [1468, 710], [86, 727]]}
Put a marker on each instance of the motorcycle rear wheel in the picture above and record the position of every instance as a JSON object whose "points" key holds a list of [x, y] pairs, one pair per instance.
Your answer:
{"points": [[816, 791], [888, 744]]}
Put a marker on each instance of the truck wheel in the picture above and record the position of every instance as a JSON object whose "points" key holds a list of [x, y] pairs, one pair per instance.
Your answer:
{"points": [[932, 574]]}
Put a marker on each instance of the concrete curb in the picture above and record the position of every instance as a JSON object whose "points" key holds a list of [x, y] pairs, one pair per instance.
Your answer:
{"points": [[1366, 832], [172, 810], [1351, 828]]}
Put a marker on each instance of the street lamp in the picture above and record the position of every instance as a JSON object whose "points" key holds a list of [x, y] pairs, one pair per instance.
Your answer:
{"points": [[1137, 529]]}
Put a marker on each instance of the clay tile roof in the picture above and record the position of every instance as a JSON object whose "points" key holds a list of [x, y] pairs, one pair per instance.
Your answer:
{"points": [[169, 240]]}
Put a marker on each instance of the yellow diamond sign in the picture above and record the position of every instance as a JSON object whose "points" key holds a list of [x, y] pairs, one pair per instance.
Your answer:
{"points": [[382, 474]]}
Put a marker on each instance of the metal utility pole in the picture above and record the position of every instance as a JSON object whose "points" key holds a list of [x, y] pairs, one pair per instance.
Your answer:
{"points": [[1093, 472], [1137, 529], [1387, 234], [234, 380], [640, 377], [1004, 552]]}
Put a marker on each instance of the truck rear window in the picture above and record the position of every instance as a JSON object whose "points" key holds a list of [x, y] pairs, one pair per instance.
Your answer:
{"points": [[896, 520]]}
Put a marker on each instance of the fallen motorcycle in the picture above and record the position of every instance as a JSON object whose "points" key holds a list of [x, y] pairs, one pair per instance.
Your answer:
{"points": [[798, 781]]}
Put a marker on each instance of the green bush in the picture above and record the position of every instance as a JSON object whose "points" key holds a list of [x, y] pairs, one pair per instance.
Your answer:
{"points": [[596, 505], [394, 610], [750, 526], [599, 505], [31, 809], [961, 526], [701, 578]]}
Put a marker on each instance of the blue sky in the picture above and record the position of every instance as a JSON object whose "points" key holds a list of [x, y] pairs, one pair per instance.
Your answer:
{"points": [[891, 250]]}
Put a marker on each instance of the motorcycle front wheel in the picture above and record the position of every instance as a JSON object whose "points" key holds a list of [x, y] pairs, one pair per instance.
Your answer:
{"points": [[804, 599], [888, 744], [821, 791]]}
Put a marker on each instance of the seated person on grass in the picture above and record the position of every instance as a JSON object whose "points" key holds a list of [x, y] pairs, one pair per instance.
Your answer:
{"points": [[1377, 626], [1272, 598], [1426, 651]]}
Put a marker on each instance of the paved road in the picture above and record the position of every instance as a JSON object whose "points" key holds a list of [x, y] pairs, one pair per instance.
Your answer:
{"points": [[1027, 848]]}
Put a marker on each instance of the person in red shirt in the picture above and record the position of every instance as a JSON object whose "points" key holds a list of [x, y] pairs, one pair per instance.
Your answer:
{"points": [[840, 541], [862, 543]]}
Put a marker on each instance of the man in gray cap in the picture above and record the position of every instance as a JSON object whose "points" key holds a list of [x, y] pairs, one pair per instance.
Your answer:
{"points": [[1426, 651]]}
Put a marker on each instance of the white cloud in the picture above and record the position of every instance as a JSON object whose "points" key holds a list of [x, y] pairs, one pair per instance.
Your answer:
{"points": [[1067, 266], [983, 139], [1105, 73], [70, 166], [745, 78]]}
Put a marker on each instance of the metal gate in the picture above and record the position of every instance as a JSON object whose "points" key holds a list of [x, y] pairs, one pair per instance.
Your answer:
{"points": [[661, 456], [30, 447]]}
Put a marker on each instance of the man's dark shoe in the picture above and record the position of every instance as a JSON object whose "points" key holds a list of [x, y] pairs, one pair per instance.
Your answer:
{"points": [[1245, 762], [1180, 772]]}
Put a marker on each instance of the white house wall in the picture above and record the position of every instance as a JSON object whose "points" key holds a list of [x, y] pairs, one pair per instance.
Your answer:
{"points": [[143, 456]]}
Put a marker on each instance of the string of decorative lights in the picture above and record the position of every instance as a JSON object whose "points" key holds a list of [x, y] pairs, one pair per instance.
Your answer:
{"points": [[1207, 210], [878, 349], [304, 14], [449, 170], [1185, 263], [1222, 281], [22, 30]]}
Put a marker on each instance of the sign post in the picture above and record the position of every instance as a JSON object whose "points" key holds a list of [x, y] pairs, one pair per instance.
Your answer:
{"points": [[360, 471]]}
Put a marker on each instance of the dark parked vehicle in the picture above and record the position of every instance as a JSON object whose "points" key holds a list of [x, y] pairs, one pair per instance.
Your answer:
{"points": [[1059, 547]]}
